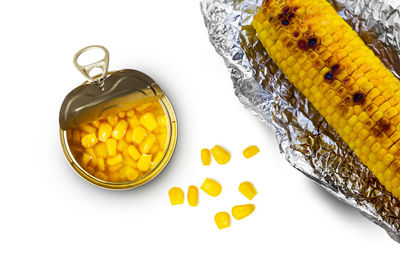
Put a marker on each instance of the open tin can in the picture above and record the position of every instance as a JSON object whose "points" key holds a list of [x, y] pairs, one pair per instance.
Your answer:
{"points": [[118, 130]]}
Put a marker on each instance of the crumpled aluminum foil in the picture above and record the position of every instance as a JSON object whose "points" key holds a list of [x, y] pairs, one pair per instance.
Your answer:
{"points": [[308, 142]]}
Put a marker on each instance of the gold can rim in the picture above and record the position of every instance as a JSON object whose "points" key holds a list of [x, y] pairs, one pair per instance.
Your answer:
{"points": [[138, 181]]}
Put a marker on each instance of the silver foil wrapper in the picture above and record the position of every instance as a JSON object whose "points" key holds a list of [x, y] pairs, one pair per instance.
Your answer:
{"points": [[307, 141]]}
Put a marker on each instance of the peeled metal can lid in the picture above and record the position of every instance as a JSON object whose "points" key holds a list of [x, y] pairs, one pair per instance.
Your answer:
{"points": [[105, 94]]}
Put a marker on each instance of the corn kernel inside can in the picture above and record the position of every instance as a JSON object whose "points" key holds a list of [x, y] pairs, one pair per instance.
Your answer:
{"points": [[124, 146]]}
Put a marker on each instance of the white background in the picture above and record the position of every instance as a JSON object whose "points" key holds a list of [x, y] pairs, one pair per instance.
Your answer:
{"points": [[47, 210]]}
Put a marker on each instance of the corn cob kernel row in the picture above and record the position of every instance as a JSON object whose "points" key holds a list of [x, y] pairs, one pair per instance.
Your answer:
{"points": [[333, 68]]}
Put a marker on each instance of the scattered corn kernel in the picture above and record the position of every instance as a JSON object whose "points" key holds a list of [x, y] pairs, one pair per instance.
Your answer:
{"points": [[120, 130], [242, 211], [138, 134], [104, 131], [148, 121], [193, 195], [205, 157], [89, 140], [114, 160], [250, 151], [211, 187], [222, 219], [220, 155], [100, 149], [144, 162], [247, 189], [175, 195]]}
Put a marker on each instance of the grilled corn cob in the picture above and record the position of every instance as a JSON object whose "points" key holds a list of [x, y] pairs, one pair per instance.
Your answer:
{"points": [[333, 68]]}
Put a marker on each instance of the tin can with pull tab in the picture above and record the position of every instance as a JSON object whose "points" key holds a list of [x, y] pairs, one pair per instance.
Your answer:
{"points": [[118, 130]]}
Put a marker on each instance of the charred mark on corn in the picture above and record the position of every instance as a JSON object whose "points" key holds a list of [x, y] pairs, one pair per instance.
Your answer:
{"points": [[358, 98], [312, 42], [329, 76]]}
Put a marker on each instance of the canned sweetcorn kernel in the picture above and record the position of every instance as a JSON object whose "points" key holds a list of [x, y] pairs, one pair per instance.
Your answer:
{"points": [[118, 130]]}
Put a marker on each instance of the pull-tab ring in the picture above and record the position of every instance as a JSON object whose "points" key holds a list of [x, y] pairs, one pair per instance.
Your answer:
{"points": [[102, 64]]}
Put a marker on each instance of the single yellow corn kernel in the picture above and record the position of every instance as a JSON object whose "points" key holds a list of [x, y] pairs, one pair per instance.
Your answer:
{"points": [[85, 159], [250, 151], [148, 121], [205, 157], [76, 136], [133, 121], [100, 164], [96, 123], [105, 130], [156, 148], [138, 134], [144, 162], [133, 152], [162, 139], [115, 167], [120, 130], [101, 176], [87, 128], [111, 147], [211, 187], [242, 211], [115, 160], [162, 120], [128, 135], [220, 155], [222, 220], [100, 149], [157, 158], [131, 173], [193, 195], [175, 195], [122, 145], [143, 106], [130, 113], [121, 114], [89, 140], [147, 143], [247, 189], [113, 120]]}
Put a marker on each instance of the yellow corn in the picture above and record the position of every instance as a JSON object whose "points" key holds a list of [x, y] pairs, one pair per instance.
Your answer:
{"points": [[121, 114], [205, 157], [148, 121], [115, 160], [113, 120], [138, 134], [147, 143], [122, 145], [220, 155], [193, 195], [111, 147], [130, 113], [222, 219], [87, 128], [101, 175], [96, 123], [247, 189], [89, 140], [250, 151], [105, 130], [100, 149], [157, 158], [333, 68], [175, 195], [100, 164], [133, 121], [242, 211], [131, 173], [86, 158], [120, 130], [144, 162], [143, 106], [211, 187], [133, 152], [76, 136]]}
